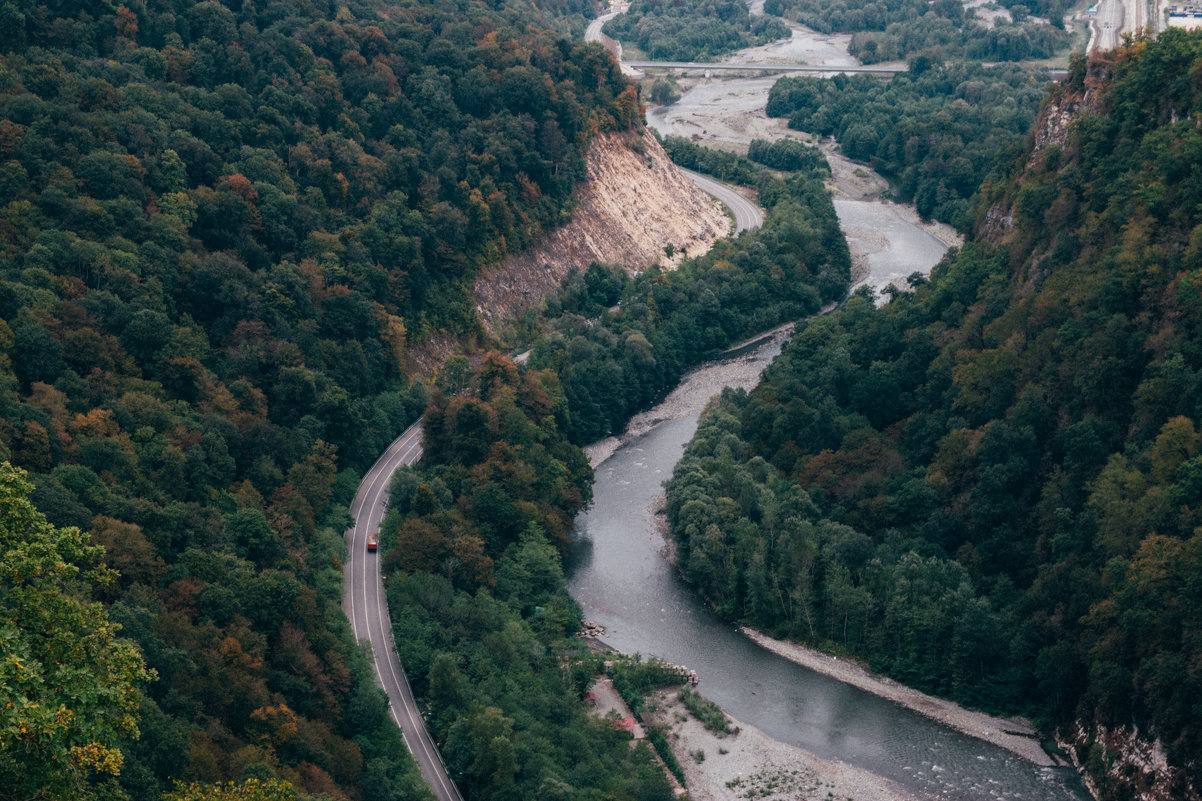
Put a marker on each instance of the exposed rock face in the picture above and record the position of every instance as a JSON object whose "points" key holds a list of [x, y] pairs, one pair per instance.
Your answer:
{"points": [[633, 203], [1122, 763], [1076, 97]]}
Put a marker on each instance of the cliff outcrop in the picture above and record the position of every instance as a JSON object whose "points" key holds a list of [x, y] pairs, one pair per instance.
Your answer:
{"points": [[1078, 96], [1123, 762], [634, 202]]}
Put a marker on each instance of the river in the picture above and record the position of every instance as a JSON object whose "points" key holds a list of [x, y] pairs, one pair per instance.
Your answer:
{"points": [[621, 575], [888, 241]]}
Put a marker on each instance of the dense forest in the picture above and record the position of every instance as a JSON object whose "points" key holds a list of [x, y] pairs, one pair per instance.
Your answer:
{"points": [[220, 228], [935, 130], [697, 30], [483, 621], [989, 488], [475, 536], [895, 30]]}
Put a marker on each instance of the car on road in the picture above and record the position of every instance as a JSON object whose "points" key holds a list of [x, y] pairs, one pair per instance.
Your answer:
{"points": [[373, 542]]}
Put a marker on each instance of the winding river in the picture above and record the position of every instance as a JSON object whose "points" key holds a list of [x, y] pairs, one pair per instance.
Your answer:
{"points": [[623, 580], [621, 575]]}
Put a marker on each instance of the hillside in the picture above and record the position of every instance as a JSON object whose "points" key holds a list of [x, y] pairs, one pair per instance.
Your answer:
{"points": [[633, 203], [221, 227], [989, 487]]}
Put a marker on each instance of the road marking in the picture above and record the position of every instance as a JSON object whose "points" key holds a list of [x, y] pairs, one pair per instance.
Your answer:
{"points": [[368, 511]]}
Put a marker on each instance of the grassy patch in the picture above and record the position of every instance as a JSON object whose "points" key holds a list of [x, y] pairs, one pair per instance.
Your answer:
{"points": [[705, 710]]}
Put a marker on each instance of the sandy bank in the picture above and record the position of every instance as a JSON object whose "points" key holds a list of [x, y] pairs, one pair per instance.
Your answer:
{"points": [[1013, 734], [756, 766]]}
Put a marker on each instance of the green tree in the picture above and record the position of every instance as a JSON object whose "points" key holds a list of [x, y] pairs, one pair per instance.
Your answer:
{"points": [[663, 93], [70, 686]]}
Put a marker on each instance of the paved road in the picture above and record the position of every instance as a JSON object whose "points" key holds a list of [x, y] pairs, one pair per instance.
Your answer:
{"points": [[365, 605], [747, 214], [1107, 24], [593, 32]]}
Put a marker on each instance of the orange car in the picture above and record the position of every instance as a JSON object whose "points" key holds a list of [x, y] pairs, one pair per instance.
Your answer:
{"points": [[373, 542]]}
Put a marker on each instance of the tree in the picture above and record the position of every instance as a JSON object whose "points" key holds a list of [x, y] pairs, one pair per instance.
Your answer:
{"points": [[662, 92], [249, 790], [70, 685]]}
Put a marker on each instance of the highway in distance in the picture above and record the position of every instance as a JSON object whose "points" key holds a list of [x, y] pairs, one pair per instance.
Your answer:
{"points": [[1108, 24], [364, 603]]}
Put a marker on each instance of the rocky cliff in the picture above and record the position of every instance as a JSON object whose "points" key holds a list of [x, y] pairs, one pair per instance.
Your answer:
{"points": [[633, 204], [1125, 763]]}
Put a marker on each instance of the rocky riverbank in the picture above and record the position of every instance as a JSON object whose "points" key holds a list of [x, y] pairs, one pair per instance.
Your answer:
{"points": [[751, 765]]}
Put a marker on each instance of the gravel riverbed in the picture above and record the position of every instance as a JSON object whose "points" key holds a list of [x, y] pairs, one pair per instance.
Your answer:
{"points": [[1013, 734], [728, 114], [752, 765]]}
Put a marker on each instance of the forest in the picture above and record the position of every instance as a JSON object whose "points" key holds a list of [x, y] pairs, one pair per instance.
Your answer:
{"points": [[936, 131], [484, 625], [475, 536], [697, 30], [896, 30], [988, 488], [221, 228]]}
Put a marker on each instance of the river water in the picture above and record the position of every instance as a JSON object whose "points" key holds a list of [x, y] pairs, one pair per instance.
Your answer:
{"points": [[620, 573], [888, 241], [621, 577]]}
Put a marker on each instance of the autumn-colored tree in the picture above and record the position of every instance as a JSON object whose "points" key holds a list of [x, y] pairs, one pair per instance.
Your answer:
{"points": [[69, 685], [249, 790]]}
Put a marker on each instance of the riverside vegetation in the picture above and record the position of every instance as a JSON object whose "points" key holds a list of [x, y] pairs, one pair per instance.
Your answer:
{"points": [[935, 131], [698, 30], [614, 362], [989, 487], [896, 30]]}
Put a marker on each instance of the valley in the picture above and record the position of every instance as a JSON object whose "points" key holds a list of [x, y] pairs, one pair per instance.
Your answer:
{"points": [[243, 247]]}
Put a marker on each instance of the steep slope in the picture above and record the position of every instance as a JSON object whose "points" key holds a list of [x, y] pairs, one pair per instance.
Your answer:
{"points": [[990, 487], [633, 202]]}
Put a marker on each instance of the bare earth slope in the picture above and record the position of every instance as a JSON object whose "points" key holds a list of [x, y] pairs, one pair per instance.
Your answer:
{"points": [[633, 203]]}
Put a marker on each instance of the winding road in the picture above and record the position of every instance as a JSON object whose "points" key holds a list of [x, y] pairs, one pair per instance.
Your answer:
{"points": [[747, 214], [364, 603]]}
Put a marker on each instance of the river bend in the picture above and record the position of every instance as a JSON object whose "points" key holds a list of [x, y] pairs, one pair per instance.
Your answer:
{"points": [[622, 579]]}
